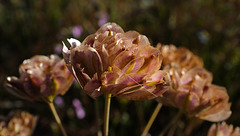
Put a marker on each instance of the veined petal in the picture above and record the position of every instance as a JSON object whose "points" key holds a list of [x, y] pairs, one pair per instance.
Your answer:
{"points": [[122, 59], [89, 59], [133, 66]]}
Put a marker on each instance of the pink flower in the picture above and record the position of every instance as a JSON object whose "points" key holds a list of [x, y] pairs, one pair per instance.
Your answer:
{"points": [[191, 88], [41, 78], [112, 61]]}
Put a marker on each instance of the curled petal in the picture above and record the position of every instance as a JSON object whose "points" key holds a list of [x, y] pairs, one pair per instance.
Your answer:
{"points": [[89, 59]]}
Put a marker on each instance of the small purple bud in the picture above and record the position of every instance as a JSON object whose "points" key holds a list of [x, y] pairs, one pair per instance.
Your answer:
{"points": [[77, 31]]}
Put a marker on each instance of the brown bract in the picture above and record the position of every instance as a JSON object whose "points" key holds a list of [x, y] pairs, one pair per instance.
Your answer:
{"points": [[117, 62], [41, 78], [191, 89], [222, 129]]}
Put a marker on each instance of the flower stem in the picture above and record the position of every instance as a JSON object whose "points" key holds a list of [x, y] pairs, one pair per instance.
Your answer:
{"points": [[173, 121], [51, 105], [106, 114], [151, 120]]}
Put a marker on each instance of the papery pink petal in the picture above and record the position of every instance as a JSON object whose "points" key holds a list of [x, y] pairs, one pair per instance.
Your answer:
{"points": [[92, 88], [89, 59], [133, 66]]}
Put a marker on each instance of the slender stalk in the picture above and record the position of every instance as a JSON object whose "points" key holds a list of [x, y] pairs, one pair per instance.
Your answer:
{"points": [[51, 105], [106, 114], [174, 120], [151, 120]]}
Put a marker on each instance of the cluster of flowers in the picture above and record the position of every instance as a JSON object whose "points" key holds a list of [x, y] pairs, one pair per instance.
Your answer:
{"points": [[125, 65], [20, 124]]}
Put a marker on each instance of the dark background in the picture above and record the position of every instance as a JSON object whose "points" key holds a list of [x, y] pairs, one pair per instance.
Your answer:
{"points": [[209, 28]]}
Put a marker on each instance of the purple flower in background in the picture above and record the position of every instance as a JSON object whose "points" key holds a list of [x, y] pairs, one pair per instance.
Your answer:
{"points": [[77, 31], [103, 19], [78, 108], [59, 101], [58, 49]]}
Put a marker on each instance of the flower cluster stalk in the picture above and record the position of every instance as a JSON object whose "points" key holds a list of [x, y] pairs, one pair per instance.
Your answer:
{"points": [[51, 105], [173, 121], [106, 114], [151, 120]]}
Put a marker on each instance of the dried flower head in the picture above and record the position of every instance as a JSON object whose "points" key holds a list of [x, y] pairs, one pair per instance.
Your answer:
{"points": [[21, 124], [191, 88], [179, 56], [222, 129], [41, 78], [112, 61]]}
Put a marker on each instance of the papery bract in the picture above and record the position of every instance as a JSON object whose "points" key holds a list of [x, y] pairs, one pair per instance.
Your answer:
{"points": [[111, 61]]}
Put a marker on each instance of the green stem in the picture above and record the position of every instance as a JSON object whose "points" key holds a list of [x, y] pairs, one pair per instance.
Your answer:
{"points": [[173, 121], [151, 120], [106, 114], [51, 105]]}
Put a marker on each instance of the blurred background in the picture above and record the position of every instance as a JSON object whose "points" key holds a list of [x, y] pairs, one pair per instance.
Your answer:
{"points": [[209, 28]]}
